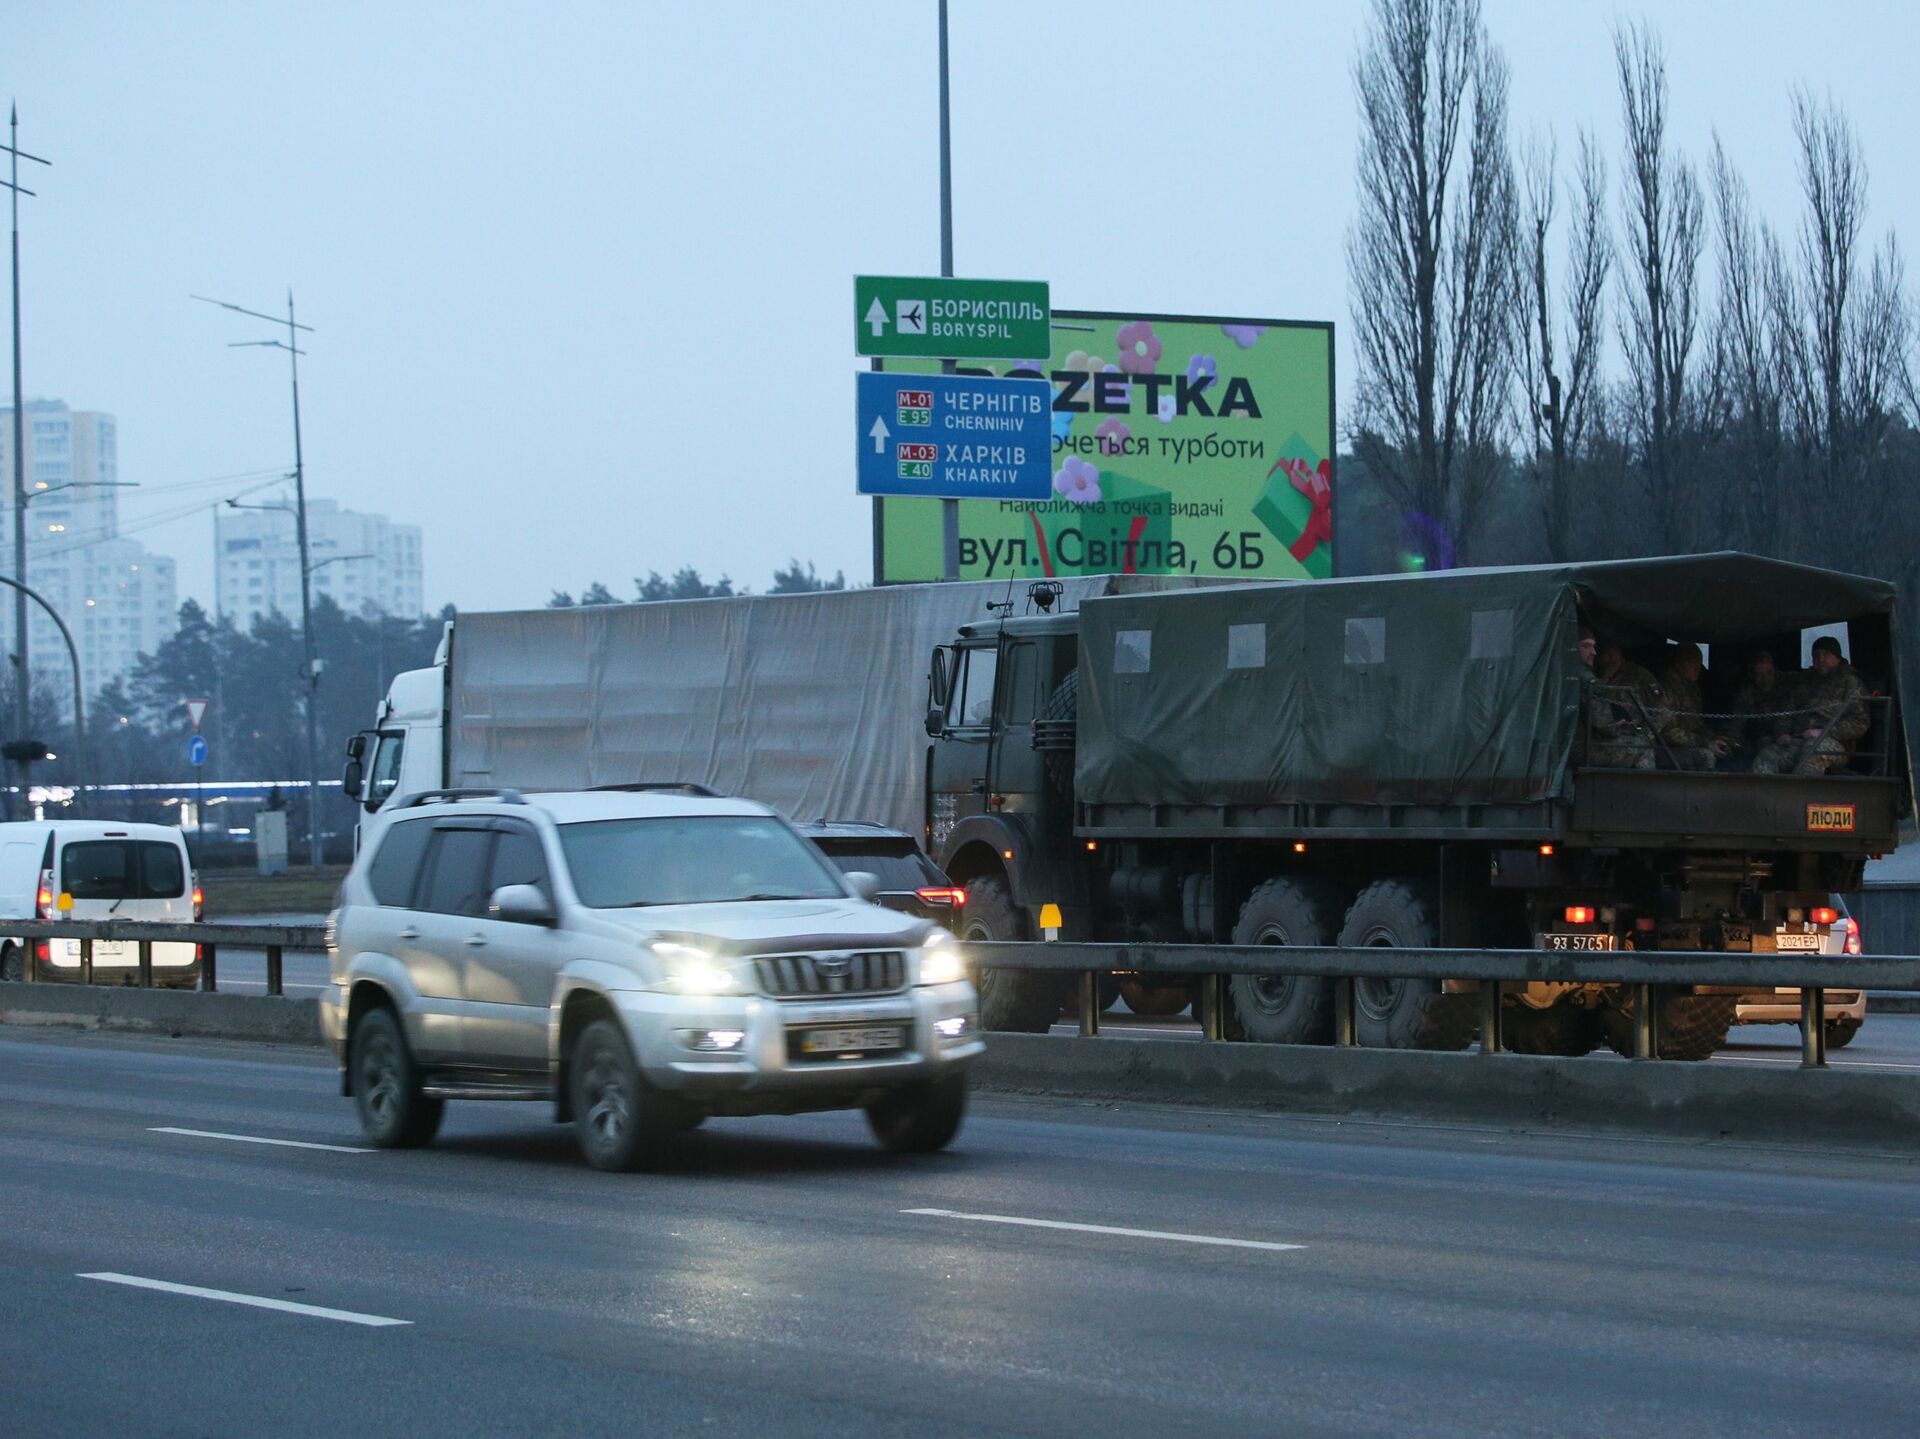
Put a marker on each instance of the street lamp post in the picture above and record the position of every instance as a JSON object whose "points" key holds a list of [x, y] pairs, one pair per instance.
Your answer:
{"points": [[21, 699], [292, 347], [79, 700]]}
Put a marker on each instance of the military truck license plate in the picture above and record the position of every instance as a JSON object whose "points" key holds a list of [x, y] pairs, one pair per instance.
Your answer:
{"points": [[1580, 941], [1796, 941], [842, 1041]]}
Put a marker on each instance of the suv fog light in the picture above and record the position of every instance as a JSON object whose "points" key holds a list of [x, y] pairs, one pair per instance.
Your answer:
{"points": [[953, 1027], [713, 1041]]}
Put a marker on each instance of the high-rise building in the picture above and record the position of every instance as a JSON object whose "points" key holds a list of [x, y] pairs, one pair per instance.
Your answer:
{"points": [[117, 598], [362, 562]]}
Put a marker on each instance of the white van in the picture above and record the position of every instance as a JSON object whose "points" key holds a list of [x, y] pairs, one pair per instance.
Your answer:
{"points": [[92, 869]]}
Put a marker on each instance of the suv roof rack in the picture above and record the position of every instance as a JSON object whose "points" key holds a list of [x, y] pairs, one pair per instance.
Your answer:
{"points": [[644, 786], [450, 796]]}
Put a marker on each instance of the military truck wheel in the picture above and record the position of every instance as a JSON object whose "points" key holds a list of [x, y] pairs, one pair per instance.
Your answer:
{"points": [[1564, 1029], [1062, 704], [1840, 1032], [12, 966], [1403, 1013], [1010, 999], [1155, 1001], [1284, 1008], [1692, 1026]]}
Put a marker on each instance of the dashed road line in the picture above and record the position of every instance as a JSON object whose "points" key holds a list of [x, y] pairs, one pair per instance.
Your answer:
{"points": [[1109, 1229], [255, 1301], [256, 1139]]}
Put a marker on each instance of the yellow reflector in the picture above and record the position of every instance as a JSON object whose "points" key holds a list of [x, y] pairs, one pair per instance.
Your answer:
{"points": [[66, 901], [1049, 916]]}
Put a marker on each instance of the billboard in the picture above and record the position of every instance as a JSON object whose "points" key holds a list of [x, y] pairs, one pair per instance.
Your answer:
{"points": [[1181, 445]]}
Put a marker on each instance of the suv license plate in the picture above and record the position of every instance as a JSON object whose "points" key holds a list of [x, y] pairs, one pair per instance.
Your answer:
{"points": [[1796, 941], [1579, 941], [845, 1041]]}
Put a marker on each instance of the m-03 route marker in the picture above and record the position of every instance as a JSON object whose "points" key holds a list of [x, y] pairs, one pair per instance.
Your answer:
{"points": [[899, 317], [955, 437]]}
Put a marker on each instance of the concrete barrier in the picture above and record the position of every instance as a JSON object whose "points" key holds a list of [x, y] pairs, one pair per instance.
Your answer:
{"points": [[179, 1012], [1736, 1101]]}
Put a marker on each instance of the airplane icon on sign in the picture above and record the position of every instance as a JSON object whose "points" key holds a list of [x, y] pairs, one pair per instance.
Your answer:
{"points": [[911, 317]]}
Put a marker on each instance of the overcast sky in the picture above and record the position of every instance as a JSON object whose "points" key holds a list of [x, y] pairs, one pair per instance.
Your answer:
{"points": [[580, 274]]}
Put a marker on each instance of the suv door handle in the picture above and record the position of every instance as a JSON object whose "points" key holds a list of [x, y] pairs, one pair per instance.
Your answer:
{"points": [[409, 933], [475, 941]]}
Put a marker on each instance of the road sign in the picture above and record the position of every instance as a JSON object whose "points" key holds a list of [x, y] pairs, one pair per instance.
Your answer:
{"points": [[195, 710], [955, 437], [197, 750], [935, 319]]}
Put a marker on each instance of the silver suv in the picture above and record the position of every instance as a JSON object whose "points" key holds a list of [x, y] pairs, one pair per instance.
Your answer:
{"points": [[642, 958]]}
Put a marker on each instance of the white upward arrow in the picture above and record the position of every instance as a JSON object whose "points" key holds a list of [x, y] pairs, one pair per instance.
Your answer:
{"points": [[877, 315], [879, 434]]}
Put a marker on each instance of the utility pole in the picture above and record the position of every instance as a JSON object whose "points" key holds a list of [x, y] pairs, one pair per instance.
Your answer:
{"points": [[312, 673], [23, 684], [949, 509]]}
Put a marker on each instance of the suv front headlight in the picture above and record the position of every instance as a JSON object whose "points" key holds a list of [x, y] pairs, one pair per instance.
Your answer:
{"points": [[940, 961], [692, 970]]}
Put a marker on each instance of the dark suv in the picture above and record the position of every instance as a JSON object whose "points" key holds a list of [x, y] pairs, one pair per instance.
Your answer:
{"points": [[909, 881]]}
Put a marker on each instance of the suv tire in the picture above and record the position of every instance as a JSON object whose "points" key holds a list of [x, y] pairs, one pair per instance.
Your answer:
{"points": [[12, 962], [394, 1114], [920, 1118], [623, 1122]]}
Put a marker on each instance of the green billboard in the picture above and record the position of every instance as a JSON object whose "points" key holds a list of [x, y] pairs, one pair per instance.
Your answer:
{"points": [[1181, 445]]}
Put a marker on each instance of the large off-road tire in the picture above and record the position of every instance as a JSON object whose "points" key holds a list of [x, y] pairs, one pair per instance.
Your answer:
{"points": [[1062, 704], [1403, 1013], [1562, 1028], [394, 1114], [920, 1118], [622, 1121], [1840, 1032], [1692, 1026], [1020, 1001], [1155, 1001], [1284, 1009], [13, 964]]}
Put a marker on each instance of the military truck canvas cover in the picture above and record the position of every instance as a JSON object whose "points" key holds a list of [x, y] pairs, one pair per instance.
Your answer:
{"points": [[1407, 693], [811, 703]]}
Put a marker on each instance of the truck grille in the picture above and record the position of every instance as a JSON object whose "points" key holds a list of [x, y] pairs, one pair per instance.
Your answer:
{"points": [[801, 976]]}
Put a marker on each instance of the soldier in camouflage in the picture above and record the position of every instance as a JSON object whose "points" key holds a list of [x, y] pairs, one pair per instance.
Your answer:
{"points": [[1619, 703], [1831, 716], [1757, 711], [1683, 725]]}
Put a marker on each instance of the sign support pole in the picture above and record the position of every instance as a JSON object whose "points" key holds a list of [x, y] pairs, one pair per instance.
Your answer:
{"points": [[949, 509]]}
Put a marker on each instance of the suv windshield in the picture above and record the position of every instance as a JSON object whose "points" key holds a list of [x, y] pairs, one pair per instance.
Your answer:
{"points": [[693, 859]]}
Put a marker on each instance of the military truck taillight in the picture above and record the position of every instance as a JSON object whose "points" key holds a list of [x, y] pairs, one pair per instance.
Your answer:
{"points": [[1579, 914], [1823, 915]]}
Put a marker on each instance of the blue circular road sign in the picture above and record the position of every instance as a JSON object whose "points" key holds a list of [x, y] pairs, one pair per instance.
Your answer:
{"points": [[197, 750]]}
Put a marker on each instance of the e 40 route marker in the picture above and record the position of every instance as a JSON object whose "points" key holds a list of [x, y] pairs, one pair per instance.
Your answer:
{"points": [[954, 437]]}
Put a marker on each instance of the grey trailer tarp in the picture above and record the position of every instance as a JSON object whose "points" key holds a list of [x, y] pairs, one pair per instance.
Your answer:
{"points": [[812, 703], [1442, 691]]}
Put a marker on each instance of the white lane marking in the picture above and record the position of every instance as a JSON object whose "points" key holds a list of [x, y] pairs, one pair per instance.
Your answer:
{"points": [[256, 1139], [1105, 1229], [285, 1306]]}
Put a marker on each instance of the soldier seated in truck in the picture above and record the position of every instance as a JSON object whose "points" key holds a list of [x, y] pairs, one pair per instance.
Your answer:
{"points": [[1683, 724], [1830, 717], [1757, 713], [1619, 706]]}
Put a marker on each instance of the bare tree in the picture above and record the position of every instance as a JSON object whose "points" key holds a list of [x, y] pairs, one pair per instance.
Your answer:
{"points": [[1664, 234], [1558, 405], [1431, 259], [1744, 400]]}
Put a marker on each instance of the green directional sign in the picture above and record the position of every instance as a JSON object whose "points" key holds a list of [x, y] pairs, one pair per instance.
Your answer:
{"points": [[900, 317]]}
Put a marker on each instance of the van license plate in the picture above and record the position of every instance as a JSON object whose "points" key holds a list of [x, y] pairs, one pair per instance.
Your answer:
{"points": [[1579, 941], [845, 1041], [1796, 941]]}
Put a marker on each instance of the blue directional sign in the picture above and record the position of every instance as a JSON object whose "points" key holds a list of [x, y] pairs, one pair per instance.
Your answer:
{"points": [[197, 750], [955, 437]]}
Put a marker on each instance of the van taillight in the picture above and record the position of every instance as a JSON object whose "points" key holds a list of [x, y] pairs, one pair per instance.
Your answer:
{"points": [[43, 901], [199, 901], [1853, 936]]}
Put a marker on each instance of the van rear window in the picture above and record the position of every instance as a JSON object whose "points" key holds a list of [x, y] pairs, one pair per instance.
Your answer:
{"points": [[122, 869]]}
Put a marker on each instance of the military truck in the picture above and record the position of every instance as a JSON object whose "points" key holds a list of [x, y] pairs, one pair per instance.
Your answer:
{"points": [[1411, 761]]}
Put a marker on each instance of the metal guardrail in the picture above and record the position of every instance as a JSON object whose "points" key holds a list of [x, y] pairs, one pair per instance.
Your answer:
{"points": [[1646, 971], [275, 939]]}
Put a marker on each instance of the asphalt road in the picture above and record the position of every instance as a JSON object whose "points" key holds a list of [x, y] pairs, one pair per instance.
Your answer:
{"points": [[785, 1277]]}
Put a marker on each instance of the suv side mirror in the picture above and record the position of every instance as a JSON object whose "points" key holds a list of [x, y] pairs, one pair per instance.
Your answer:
{"points": [[864, 884], [522, 904]]}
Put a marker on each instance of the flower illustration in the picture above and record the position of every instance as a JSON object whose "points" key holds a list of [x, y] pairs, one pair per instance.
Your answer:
{"points": [[1087, 364], [1079, 481], [1113, 435], [1201, 371], [1243, 335], [1166, 409], [1139, 347]]}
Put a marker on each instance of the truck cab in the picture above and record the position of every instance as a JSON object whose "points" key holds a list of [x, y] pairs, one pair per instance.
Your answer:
{"points": [[401, 754]]}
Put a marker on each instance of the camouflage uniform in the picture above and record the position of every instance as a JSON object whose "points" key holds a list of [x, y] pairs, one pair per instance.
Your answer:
{"points": [[1682, 726], [1834, 703], [1622, 696], [1757, 717]]}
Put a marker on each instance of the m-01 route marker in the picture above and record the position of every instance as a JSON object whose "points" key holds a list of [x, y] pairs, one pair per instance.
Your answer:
{"points": [[899, 317], [955, 437]]}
